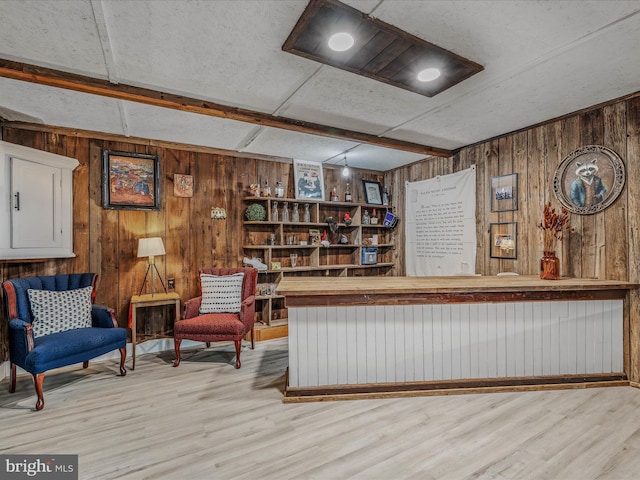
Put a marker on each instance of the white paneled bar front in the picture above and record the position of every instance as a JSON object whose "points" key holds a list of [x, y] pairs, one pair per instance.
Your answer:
{"points": [[399, 331]]}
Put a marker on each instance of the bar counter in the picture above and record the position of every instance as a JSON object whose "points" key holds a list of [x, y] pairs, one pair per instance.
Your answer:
{"points": [[352, 337]]}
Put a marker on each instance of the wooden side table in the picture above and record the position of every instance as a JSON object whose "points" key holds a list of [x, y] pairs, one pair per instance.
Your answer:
{"points": [[143, 301]]}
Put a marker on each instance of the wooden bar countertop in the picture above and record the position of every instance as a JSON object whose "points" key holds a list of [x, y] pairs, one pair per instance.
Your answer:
{"points": [[310, 291]]}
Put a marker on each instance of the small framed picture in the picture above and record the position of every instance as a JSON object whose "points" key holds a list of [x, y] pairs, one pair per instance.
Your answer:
{"points": [[308, 179], [504, 240], [182, 185], [314, 236], [504, 193], [130, 181], [372, 192]]}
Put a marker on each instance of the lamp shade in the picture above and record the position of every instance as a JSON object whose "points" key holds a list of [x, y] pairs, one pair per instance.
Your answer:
{"points": [[150, 247]]}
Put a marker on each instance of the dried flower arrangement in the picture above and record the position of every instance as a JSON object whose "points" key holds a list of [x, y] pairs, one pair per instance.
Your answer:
{"points": [[553, 226]]}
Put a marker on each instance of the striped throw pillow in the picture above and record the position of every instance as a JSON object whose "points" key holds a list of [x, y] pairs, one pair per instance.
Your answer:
{"points": [[221, 294], [59, 311]]}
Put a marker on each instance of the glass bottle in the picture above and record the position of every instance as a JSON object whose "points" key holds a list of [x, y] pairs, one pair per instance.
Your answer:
{"points": [[306, 217], [279, 189], [274, 212], [385, 196], [285, 212], [295, 216], [334, 195], [347, 194], [366, 219], [266, 191]]}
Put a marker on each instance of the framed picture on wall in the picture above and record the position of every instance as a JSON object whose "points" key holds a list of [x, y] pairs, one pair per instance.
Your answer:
{"points": [[504, 240], [504, 193], [308, 180], [589, 179], [182, 185], [130, 181]]}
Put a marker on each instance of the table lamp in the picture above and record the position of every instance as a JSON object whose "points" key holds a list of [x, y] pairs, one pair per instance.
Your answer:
{"points": [[151, 247]]}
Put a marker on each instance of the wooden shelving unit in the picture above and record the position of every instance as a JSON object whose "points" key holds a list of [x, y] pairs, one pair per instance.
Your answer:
{"points": [[268, 240]]}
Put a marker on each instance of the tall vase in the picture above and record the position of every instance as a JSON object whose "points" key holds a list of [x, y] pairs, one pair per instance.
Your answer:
{"points": [[549, 266]]}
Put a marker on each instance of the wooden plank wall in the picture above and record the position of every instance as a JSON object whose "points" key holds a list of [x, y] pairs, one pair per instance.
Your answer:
{"points": [[600, 245], [105, 241]]}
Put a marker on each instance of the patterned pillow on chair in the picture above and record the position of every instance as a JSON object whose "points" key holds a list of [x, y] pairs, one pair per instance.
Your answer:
{"points": [[59, 311], [221, 294]]}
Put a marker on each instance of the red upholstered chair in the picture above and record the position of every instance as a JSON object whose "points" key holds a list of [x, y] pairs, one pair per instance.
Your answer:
{"points": [[216, 327]]}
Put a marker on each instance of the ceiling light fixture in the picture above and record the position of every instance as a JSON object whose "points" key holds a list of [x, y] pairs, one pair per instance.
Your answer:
{"points": [[428, 74], [345, 170], [341, 42]]}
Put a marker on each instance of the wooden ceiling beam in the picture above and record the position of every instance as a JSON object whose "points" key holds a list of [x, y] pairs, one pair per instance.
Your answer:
{"points": [[80, 83]]}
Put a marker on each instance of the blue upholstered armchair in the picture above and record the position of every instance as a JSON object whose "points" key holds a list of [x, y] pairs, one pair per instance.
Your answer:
{"points": [[53, 323]]}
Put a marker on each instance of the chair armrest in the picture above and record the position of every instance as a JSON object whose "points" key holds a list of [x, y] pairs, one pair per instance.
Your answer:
{"points": [[192, 307], [103, 317], [248, 311], [21, 336]]}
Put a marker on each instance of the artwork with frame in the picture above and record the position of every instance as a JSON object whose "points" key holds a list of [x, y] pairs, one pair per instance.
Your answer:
{"points": [[372, 192], [182, 185], [589, 179], [308, 180], [504, 240], [314, 236], [504, 193], [130, 181]]}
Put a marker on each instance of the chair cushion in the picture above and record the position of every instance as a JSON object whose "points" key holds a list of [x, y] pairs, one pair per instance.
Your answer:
{"points": [[59, 311], [221, 294], [211, 324], [73, 346]]}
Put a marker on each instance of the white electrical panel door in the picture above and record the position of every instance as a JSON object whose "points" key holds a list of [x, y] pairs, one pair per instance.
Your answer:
{"points": [[36, 198]]}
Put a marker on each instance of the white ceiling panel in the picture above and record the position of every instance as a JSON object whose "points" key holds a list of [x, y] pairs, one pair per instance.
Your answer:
{"points": [[225, 51], [301, 146], [375, 158], [542, 59], [342, 99], [63, 108], [158, 123], [61, 34]]}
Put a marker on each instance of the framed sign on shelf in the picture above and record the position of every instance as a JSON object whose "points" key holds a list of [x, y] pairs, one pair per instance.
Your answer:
{"points": [[504, 240], [130, 181], [308, 180], [372, 192], [504, 193]]}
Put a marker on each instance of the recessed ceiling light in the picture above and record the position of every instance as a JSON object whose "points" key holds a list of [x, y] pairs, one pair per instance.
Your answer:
{"points": [[341, 42], [428, 74]]}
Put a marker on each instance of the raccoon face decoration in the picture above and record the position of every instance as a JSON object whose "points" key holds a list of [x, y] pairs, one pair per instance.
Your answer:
{"points": [[587, 189]]}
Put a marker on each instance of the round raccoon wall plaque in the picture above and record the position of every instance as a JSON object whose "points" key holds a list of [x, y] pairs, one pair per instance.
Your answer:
{"points": [[589, 179]]}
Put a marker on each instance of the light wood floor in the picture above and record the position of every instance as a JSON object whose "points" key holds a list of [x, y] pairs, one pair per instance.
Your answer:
{"points": [[206, 420]]}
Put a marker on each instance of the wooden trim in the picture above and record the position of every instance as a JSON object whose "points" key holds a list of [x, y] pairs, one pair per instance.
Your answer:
{"points": [[95, 86], [444, 298], [451, 387]]}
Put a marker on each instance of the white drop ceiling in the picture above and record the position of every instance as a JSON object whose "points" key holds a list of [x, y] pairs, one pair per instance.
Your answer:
{"points": [[542, 59]]}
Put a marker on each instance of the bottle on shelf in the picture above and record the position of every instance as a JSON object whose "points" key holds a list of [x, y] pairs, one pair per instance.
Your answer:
{"points": [[279, 189], [347, 193], [295, 215], [374, 217], [306, 216], [285, 212], [266, 191], [274, 212], [334, 195], [366, 219], [385, 196]]}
